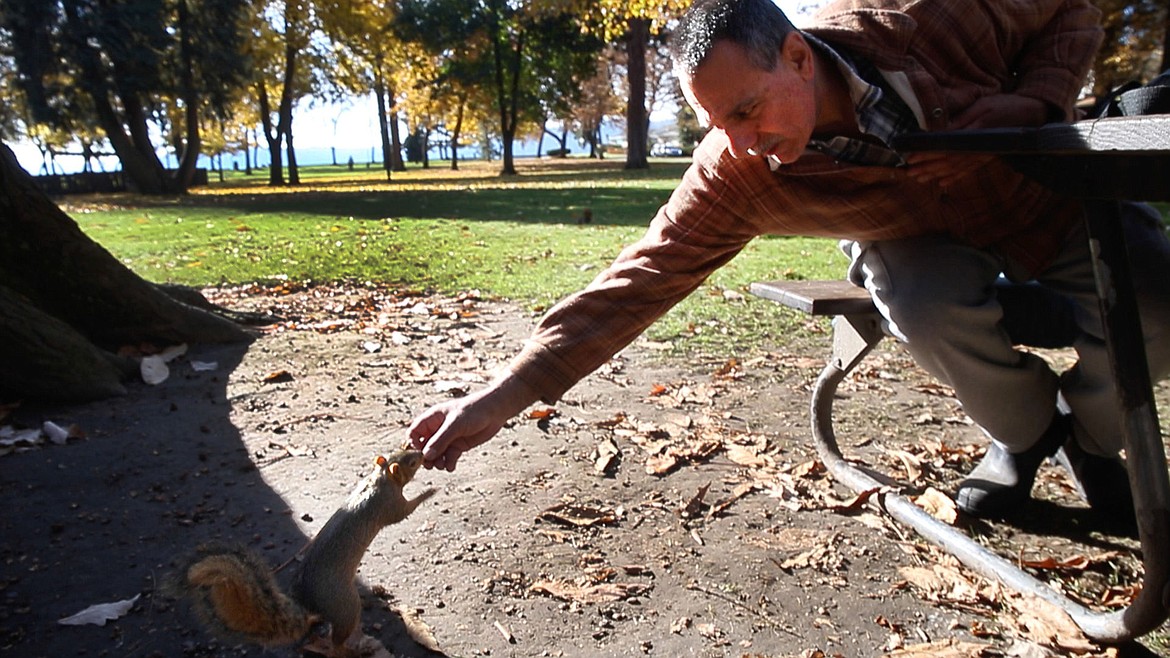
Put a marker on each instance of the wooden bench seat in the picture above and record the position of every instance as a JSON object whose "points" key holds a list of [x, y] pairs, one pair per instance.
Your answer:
{"points": [[836, 297]]}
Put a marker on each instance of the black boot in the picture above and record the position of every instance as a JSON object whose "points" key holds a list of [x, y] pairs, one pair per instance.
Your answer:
{"points": [[1002, 482], [1103, 483]]}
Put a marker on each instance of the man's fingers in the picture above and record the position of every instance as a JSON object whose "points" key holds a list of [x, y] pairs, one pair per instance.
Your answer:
{"points": [[452, 458], [437, 443]]}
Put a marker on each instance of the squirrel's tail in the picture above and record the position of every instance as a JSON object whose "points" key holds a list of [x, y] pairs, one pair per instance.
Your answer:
{"points": [[235, 594]]}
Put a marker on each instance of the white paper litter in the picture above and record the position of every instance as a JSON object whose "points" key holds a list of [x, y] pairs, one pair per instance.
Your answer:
{"points": [[99, 613]]}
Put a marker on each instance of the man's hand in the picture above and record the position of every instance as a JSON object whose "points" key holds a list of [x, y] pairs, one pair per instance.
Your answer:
{"points": [[447, 430], [999, 111]]}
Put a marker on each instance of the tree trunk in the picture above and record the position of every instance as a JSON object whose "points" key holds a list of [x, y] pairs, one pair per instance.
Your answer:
{"points": [[294, 173], [456, 133], [506, 103], [273, 136], [67, 305], [637, 126], [285, 113], [396, 162], [383, 121], [193, 144], [247, 153]]}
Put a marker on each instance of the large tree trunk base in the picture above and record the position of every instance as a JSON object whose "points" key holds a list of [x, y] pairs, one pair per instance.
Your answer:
{"points": [[45, 358], [68, 304]]}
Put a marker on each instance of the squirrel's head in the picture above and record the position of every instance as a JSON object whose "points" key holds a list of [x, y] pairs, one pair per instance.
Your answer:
{"points": [[400, 466]]}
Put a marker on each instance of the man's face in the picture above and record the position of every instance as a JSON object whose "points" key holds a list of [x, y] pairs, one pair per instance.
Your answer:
{"points": [[762, 112]]}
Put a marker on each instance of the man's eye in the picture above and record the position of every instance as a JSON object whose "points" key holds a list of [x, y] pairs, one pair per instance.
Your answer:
{"points": [[746, 113]]}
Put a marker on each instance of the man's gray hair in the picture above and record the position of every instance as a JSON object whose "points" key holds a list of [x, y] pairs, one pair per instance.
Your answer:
{"points": [[758, 26]]}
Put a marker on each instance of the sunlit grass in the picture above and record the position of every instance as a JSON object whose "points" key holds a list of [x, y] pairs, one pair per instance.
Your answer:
{"points": [[516, 238]]}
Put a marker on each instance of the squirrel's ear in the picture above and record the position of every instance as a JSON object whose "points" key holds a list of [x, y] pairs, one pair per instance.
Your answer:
{"points": [[394, 468], [380, 461]]}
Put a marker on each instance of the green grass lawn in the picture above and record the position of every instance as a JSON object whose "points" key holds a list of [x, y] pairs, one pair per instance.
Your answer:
{"points": [[510, 237]]}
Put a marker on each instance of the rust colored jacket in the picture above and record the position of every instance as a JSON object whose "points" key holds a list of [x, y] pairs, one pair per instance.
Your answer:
{"points": [[941, 56]]}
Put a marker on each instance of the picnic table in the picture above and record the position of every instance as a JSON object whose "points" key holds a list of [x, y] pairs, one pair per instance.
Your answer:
{"points": [[1101, 161]]}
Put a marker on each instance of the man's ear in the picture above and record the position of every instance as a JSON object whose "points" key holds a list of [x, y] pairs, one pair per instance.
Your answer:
{"points": [[796, 53]]}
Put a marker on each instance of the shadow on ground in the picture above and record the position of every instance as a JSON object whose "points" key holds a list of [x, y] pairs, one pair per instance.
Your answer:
{"points": [[103, 519]]}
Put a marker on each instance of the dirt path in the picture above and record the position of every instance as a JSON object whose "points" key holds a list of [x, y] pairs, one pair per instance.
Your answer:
{"points": [[664, 508]]}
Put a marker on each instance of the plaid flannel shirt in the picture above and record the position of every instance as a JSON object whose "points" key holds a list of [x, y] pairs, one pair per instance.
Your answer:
{"points": [[940, 56]]}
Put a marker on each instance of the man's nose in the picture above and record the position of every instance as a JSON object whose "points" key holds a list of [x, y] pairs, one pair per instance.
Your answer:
{"points": [[741, 141]]}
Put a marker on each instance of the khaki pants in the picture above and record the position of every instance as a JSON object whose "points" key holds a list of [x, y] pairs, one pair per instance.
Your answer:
{"points": [[938, 297]]}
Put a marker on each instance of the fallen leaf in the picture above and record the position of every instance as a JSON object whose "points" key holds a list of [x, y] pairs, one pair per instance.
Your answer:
{"points": [[612, 422], [603, 593], [942, 583], [824, 558], [579, 515], [1074, 563], [709, 631], [1047, 624], [938, 504], [605, 456], [748, 456], [741, 490], [949, 648], [910, 464], [858, 501], [809, 469], [694, 507], [662, 464], [1120, 596], [277, 377]]}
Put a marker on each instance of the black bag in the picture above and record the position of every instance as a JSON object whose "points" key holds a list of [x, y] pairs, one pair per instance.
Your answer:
{"points": [[1135, 99]]}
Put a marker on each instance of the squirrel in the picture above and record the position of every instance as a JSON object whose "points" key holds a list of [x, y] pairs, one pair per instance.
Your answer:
{"points": [[236, 595]]}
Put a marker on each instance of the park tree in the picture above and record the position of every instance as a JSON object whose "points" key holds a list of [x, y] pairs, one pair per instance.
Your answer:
{"points": [[115, 64], [599, 100], [561, 75], [367, 58], [633, 23], [460, 109], [447, 93], [288, 65], [504, 43], [690, 131]]}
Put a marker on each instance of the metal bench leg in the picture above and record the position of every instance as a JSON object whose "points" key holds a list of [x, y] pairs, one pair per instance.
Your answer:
{"points": [[853, 338], [1145, 455]]}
